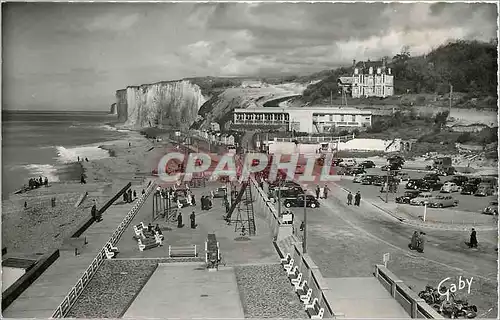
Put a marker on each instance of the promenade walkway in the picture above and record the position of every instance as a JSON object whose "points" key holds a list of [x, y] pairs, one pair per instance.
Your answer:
{"points": [[363, 297], [188, 291], [46, 293]]}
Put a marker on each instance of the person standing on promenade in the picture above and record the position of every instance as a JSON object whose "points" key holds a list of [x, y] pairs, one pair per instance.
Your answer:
{"points": [[179, 221], [130, 199], [192, 217], [135, 195], [473, 239], [325, 192], [357, 199], [349, 198], [317, 192]]}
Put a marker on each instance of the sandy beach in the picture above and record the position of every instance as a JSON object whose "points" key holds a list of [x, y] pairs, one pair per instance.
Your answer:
{"points": [[41, 227]]}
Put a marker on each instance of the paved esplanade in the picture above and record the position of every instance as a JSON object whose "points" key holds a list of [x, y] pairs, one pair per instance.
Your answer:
{"points": [[363, 297], [189, 291]]}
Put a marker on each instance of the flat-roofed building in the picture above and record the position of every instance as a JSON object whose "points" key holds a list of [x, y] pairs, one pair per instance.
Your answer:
{"points": [[311, 120]]}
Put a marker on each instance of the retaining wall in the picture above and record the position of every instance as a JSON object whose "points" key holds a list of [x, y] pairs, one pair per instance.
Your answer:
{"points": [[415, 306]]}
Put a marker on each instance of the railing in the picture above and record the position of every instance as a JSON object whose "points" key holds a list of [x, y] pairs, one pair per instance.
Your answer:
{"points": [[415, 306], [78, 288], [317, 139]]}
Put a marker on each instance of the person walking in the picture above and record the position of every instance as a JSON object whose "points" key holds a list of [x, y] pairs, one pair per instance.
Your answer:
{"points": [[179, 221], [414, 241], [357, 199], [421, 242], [192, 217], [317, 192], [473, 239], [325, 192], [349, 198]]}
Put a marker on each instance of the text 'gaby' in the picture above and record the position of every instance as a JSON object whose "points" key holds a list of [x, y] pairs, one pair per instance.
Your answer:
{"points": [[444, 291]]}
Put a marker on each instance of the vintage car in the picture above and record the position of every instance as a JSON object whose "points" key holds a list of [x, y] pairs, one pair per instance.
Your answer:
{"points": [[459, 180], [182, 202], [469, 188], [347, 163], [379, 181], [484, 190], [369, 179], [358, 178], [220, 192], [367, 164], [415, 184], [431, 185], [407, 196], [431, 177], [424, 197], [442, 202], [492, 208], [449, 187], [350, 171], [403, 177], [298, 201]]}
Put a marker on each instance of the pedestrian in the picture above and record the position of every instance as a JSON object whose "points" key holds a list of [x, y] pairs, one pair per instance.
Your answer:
{"points": [[87, 159], [193, 201], [349, 198], [414, 241], [82, 179], [46, 182], [473, 239], [325, 192], [78, 158], [130, 199], [357, 199], [135, 195], [192, 217], [125, 197], [202, 202], [317, 192], [143, 192], [421, 242], [179, 221], [25, 205], [302, 226]]}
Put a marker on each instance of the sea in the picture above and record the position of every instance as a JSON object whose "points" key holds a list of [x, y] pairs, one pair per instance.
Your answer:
{"points": [[49, 143]]}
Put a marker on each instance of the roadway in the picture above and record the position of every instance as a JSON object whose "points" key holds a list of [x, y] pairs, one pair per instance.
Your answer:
{"points": [[346, 241], [468, 203]]}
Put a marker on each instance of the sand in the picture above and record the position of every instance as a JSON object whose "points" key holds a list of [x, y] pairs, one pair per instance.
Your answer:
{"points": [[41, 227]]}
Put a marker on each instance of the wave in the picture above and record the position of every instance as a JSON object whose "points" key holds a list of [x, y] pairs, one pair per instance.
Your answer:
{"points": [[44, 170], [68, 155]]}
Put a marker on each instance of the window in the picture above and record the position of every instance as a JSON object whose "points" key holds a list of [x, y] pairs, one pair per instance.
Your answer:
{"points": [[342, 118], [353, 118], [331, 117]]}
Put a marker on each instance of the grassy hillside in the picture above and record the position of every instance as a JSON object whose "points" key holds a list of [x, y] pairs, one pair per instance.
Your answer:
{"points": [[469, 66]]}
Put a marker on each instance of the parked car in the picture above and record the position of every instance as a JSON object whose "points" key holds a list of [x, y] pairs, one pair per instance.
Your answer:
{"points": [[415, 184], [182, 202], [459, 180], [449, 187], [492, 208], [469, 188], [407, 196], [367, 164], [350, 171], [392, 167], [358, 178], [312, 202], [431, 177], [369, 179], [421, 199], [442, 202], [220, 192], [445, 171], [484, 190], [348, 163], [379, 180], [337, 161], [403, 177]]}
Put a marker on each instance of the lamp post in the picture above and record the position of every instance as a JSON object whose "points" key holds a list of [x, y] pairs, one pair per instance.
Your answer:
{"points": [[387, 186], [304, 242]]}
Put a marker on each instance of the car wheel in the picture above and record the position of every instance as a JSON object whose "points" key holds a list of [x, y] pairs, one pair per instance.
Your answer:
{"points": [[287, 205], [422, 203], [313, 205], [441, 205]]}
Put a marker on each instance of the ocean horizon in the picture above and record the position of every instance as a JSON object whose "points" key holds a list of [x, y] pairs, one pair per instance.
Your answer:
{"points": [[48, 143]]}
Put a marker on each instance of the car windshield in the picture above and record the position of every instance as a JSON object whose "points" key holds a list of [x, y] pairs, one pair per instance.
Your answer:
{"points": [[440, 197], [493, 203]]}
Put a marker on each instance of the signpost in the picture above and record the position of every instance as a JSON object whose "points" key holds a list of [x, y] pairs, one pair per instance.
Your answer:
{"points": [[386, 258], [425, 209]]}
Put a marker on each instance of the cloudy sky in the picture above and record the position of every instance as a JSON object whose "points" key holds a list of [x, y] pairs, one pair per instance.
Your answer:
{"points": [[74, 56]]}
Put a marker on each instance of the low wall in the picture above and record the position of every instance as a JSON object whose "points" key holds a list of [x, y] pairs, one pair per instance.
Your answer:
{"points": [[27, 279], [80, 229], [415, 306]]}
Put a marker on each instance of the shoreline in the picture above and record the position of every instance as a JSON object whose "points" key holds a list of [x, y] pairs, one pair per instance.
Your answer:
{"points": [[41, 227]]}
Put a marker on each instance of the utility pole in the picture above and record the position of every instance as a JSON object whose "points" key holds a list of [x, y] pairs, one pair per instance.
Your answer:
{"points": [[304, 242], [451, 94], [279, 198], [387, 186], [331, 98]]}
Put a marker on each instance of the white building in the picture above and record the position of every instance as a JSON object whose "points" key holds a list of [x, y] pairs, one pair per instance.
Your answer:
{"points": [[251, 84], [369, 84], [311, 120]]}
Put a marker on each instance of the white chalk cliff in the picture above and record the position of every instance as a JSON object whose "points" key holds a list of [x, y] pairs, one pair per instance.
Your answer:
{"points": [[174, 103]]}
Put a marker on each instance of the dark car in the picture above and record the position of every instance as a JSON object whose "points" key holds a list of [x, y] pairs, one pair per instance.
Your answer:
{"points": [[368, 180], [415, 184], [459, 180], [312, 202], [431, 185], [484, 190], [469, 188], [350, 171], [337, 161], [391, 167], [367, 164], [407, 196], [379, 180], [431, 177]]}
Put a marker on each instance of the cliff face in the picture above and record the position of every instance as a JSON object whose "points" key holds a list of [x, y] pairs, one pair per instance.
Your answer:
{"points": [[174, 103]]}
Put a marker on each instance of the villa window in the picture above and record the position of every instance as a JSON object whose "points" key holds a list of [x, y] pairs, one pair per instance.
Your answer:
{"points": [[353, 118], [331, 118], [342, 118]]}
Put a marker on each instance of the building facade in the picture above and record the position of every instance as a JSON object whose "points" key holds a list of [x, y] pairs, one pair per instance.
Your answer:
{"points": [[370, 84], [310, 120]]}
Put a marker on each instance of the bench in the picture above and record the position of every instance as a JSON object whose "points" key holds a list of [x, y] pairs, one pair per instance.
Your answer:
{"points": [[289, 266], [305, 298], [112, 248], [147, 245], [159, 239], [286, 259], [314, 310], [138, 231], [182, 252], [109, 254], [302, 288], [291, 272], [296, 279]]}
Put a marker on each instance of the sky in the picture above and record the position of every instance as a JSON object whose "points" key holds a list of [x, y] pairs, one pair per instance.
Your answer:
{"points": [[74, 56]]}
